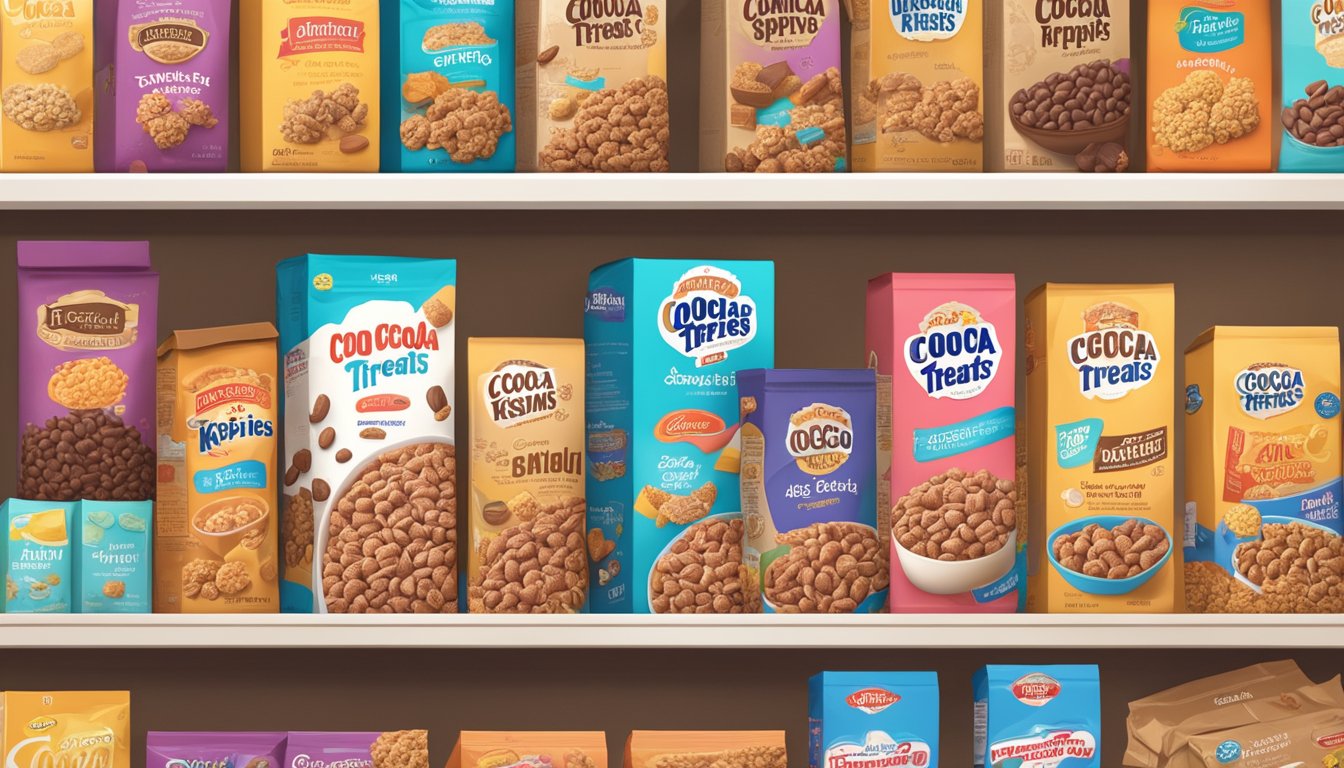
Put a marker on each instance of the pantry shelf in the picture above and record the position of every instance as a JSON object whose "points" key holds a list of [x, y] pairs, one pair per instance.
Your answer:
{"points": [[678, 191], [592, 631]]}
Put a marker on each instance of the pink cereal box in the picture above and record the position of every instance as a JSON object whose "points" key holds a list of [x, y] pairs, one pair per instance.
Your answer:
{"points": [[943, 348]]}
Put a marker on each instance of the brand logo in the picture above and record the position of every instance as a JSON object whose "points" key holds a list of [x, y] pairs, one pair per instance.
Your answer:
{"points": [[872, 700], [606, 304], [41, 723], [1266, 390], [519, 391], [820, 438], [1036, 689], [321, 34], [211, 435], [412, 343], [782, 23], [1061, 27], [33, 10], [308, 761], [688, 423], [707, 315], [234, 393], [88, 320], [1204, 31], [1331, 740], [927, 20], [197, 763], [1046, 750], [169, 42], [605, 23], [956, 353], [1113, 356], [880, 750], [1328, 18]]}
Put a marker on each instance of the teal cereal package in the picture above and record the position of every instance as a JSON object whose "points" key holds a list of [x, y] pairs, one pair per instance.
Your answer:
{"points": [[665, 340], [35, 554], [448, 92], [114, 569], [1312, 86]]}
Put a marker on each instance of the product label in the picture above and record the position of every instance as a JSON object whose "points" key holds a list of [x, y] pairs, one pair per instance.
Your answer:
{"points": [[605, 23], [321, 34], [87, 320], [1266, 390], [820, 438], [1044, 751], [872, 700], [956, 353], [707, 316], [169, 42], [518, 392], [1204, 31], [1113, 362], [927, 20], [1068, 24], [879, 751], [777, 24], [1036, 689]]}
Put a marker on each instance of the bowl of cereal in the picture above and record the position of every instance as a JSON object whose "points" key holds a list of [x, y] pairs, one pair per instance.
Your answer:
{"points": [[1067, 111], [1108, 554], [1260, 557], [222, 524], [954, 577]]}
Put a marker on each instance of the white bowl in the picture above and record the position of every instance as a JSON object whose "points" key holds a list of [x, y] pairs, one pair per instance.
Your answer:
{"points": [[953, 577]]}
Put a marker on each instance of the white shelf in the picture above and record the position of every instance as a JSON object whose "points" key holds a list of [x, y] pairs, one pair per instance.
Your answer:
{"points": [[592, 631], [920, 191]]}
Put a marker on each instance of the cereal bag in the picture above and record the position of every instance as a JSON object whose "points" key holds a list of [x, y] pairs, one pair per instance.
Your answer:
{"points": [[452, 66], [871, 719], [1100, 383], [1312, 86], [65, 728], [228, 749], [692, 749], [530, 749], [1037, 716], [46, 86], [592, 85], [343, 749], [918, 69], [943, 348], [1210, 84], [771, 95], [87, 314], [1262, 464], [1061, 84], [808, 470], [35, 554], [665, 340], [367, 346], [308, 75], [114, 572]]}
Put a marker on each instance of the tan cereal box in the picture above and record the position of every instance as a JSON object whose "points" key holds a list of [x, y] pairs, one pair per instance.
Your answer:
{"points": [[46, 82]]}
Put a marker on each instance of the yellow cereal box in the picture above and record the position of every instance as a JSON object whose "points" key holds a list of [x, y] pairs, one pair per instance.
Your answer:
{"points": [[41, 729], [1262, 471], [215, 543], [308, 71], [918, 72], [46, 80], [1100, 376], [527, 477]]}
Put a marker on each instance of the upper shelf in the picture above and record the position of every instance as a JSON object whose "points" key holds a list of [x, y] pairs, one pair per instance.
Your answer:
{"points": [[678, 191]]}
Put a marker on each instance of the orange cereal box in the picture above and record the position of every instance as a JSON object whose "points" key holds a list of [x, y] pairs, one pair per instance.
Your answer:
{"points": [[530, 749], [46, 80], [687, 749], [65, 728]]}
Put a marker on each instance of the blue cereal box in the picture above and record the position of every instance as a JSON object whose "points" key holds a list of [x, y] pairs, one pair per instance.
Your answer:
{"points": [[873, 720], [665, 340], [448, 91], [1037, 716], [1312, 86], [114, 572], [809, 490], [35, 555]]}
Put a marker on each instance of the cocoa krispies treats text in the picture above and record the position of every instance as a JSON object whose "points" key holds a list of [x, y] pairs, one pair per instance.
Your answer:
{"points": [[829, 568]]}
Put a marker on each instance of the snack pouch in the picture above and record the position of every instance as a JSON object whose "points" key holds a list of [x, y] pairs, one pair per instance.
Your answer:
{"points": [[529, 749], [859, 719], [1210, 85], [1037, 716], [87, 314], [448, 65], [586, 60], [1100, 370], [686, 749], [944, 353], [308, 76], [527, 476], [46, 81], [115, 569], [808, 485], [771, 95], [918, 71], [350, 749], [215, 531], [1312, 79], [665, 340], [1262, 465], [168, 749], [58, 728], [366, 346], [36, 556]]}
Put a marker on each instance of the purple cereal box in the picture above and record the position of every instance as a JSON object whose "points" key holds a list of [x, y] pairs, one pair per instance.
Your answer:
{"points": [[87, 313], [169, 749], [164, 86]]}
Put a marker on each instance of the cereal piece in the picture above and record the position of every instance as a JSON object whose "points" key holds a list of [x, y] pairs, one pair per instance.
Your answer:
{"points": [[168, 131], [681, 510], [457, 33], [524, 506], [1201, 111], [90, 382], [38, 58], [563, 108], [297, 529], [623, 129], [421, 87], [324, 115], [821, 572], [368, 433], [114, 589], [209, 591], [415, 132], [512, 577], [467, 124], [130, 522], [41, 108], [68, 44], [232, 578], [150, 107], [198, 573], [54, 579], [702, 572], [438, 308], [650, 15], [198, 113], [102, 518], [401, 749], [1242, 520], [1237, 113]]}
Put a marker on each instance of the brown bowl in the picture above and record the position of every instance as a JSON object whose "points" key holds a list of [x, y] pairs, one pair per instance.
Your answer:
{"points": [[1073, 142]]}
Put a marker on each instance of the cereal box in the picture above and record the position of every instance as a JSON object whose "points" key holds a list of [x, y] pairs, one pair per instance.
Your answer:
{"points": [[1045, 716], [1312, 86], [228, 749], [943, 347], [308, 75], [451, 65], [592, 86], [215, 527], [60, 728], [771, 95], [530, 749], [690, 749], [87, 313], [346, 749], [527, 477], [367, 356], [1262, 464], [918, 69], [872, 719], [46, 81], [114, 572], [1210, 85], [35, 553], [164, 92], [665, 340], [1100, 382], [809, 502], [1060, 84]]}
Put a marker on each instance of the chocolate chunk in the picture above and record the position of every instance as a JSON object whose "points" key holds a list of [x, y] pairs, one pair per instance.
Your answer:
{"points": [[774, 74]]}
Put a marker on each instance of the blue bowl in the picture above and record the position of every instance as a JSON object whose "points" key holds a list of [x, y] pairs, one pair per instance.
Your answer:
{"points": [[1093, 585]]}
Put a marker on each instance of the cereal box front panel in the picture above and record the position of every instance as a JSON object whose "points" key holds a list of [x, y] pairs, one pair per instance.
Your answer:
{"points": [[37, 556], [47, 728], [116, 561], [1312, 79], [1037, 717], [863, 719], [47, 81]]}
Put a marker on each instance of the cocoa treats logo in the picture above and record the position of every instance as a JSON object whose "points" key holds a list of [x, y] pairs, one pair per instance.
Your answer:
{"points": [[1048, 750], [411, 345], [782, 23], [606, 23], [88, 320], [1069, 24], [1113, 357], [927, 20], [956, 353], [322, 34], [519, 391], [1266, 390], [872, 700], [820, 438], [707, 315], [169, 41]]}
